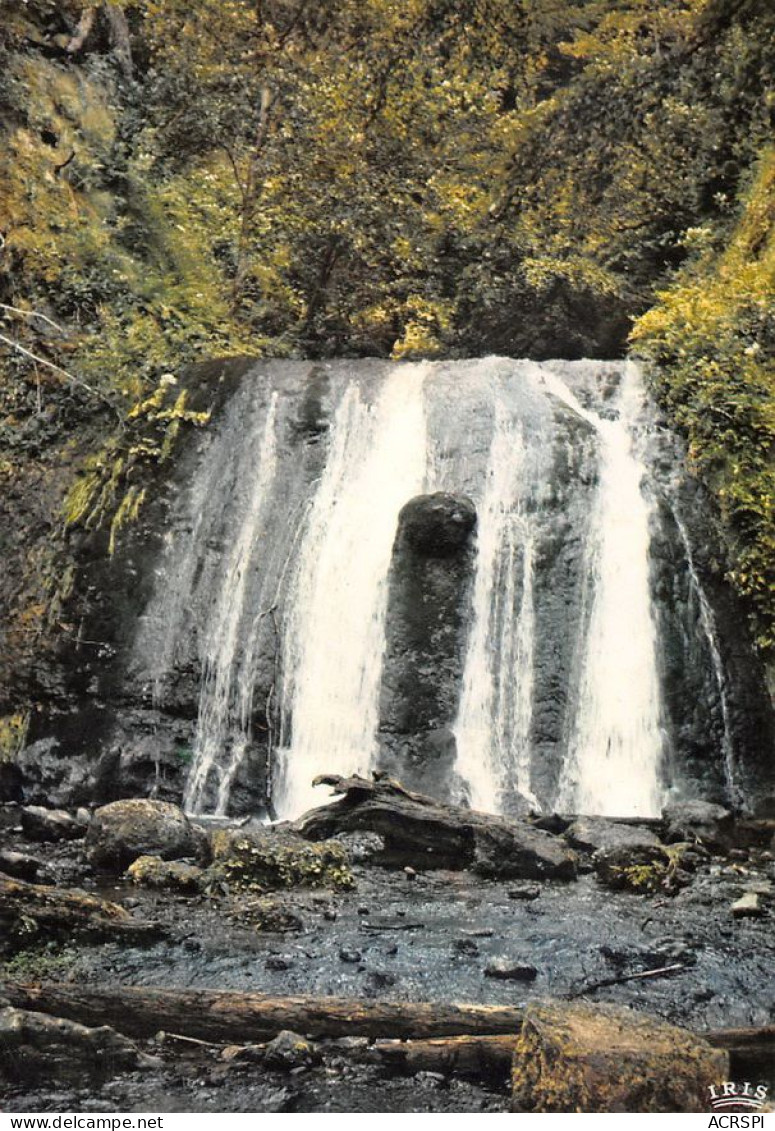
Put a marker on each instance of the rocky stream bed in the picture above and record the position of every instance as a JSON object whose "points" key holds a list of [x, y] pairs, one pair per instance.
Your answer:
{"points": [[673, 919]]}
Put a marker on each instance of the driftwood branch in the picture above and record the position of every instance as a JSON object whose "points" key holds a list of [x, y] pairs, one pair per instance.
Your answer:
{"points": [[33, 314], [618, 981]]}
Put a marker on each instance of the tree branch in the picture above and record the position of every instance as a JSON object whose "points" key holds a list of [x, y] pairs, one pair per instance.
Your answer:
{"points": [[58, 369], [82, 32], [32, 314]]}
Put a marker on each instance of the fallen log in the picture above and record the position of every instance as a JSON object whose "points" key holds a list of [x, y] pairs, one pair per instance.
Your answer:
{"points": [[490, 1057], [486, 1032], [474, 1057], [29, 910], [220, 1015], [424, 833], [742, 1040]]}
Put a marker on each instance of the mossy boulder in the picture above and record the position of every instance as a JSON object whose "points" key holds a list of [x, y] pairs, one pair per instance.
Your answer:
{"points": [[644, 869], [604, 1058], [170, 875], [270, 859], [123, 830]]}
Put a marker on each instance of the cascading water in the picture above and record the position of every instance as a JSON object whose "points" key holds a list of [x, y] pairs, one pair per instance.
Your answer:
{"points": [[334, 636], [493, 726], [216, 705], [286, 542], [613, 764]]}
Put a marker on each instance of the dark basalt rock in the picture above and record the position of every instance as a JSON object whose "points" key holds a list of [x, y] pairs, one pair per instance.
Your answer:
{"points": [[437, 525], [702, 821], [429, 611], [10, 782], [592, 833], [36, 1047], [21, 866]]}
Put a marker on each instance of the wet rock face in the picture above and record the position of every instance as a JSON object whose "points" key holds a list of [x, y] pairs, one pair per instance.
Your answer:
{"points": [[438, 525], [429, 611]]}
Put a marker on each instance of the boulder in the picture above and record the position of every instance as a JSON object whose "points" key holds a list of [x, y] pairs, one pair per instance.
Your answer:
{"points": [[172, 875], [582, 1057], [21, 866], [43, 824], [37, 1048], [289, 1051], [592, 833], [712, 825], [509, 849], [271, 859], [123, 830]]}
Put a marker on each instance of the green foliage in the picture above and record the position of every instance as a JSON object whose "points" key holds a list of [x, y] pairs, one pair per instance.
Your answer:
{"points": [[711, 342], [48, 961], [102, 494], [408, 179]]}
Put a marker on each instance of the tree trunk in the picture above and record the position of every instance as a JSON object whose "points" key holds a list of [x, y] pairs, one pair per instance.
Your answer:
{"points": [[250, 191], [219, 1015], [475, 1057], [447, 1037]]}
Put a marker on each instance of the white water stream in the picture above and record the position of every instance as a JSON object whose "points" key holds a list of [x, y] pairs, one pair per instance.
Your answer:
{"points": [[613, 764], [216, 718], [335, 630]]}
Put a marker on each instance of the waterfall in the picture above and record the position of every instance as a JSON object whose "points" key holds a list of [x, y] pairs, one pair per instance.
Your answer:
{"points": [[335, 630], [218, 721], [613, 764], [493, 726], [267, 622]]}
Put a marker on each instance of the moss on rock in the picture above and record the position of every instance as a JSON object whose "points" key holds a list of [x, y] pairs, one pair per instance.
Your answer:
{"points": [[264, 860], [606, 1058]]}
